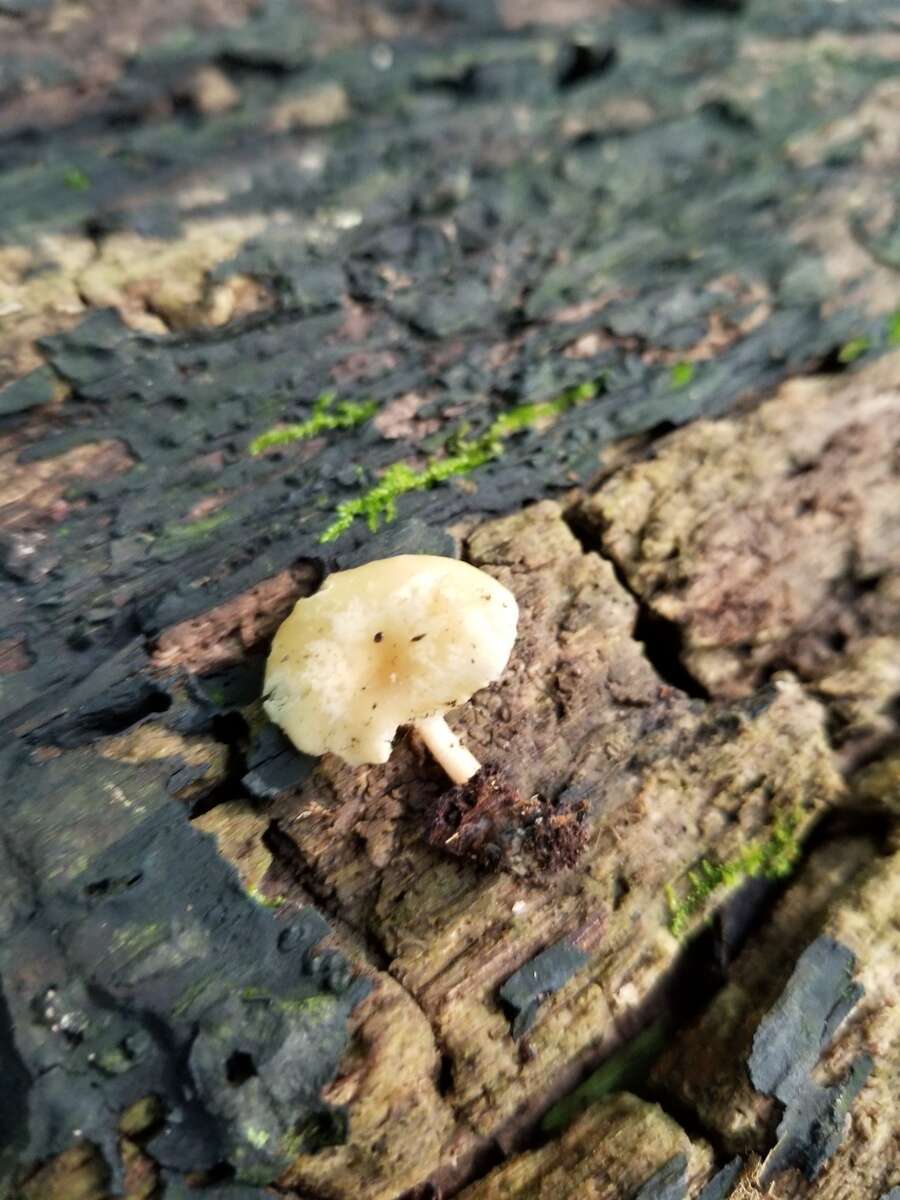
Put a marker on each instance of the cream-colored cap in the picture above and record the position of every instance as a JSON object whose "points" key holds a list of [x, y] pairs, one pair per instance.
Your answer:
{"points": [[382, 645]]}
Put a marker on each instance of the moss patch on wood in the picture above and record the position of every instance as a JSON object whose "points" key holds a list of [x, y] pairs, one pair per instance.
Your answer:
{"points": [[624, 1069], [76, 179], [681, 375], [379, 503], [326, 415], [854, 349], [772, 858], [195, 529]]}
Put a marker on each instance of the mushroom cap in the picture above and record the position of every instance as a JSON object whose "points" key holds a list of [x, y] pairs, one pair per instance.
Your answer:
{"points": [[382, 645]]}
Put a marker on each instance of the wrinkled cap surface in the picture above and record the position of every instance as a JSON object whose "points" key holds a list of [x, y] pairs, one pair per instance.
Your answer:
{"points": [[382, 645]]}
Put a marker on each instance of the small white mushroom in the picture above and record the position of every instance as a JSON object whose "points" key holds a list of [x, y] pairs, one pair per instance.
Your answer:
{"points": [[395, 642]]}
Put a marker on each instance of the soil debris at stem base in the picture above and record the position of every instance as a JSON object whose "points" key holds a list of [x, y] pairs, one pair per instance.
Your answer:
{"points": [[488, 821]]}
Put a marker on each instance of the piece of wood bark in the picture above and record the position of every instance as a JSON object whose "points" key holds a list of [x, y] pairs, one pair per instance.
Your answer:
{"points": [[773, 541], [842, 907], [619, 1149]]}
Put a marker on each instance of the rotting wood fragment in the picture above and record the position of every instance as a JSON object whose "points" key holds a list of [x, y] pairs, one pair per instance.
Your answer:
{"points": [[542, 975], [621, 1147], [668, 1182], [773, 541], [223, 635], [720, 1186], [786, 1046], [832, 1033]]}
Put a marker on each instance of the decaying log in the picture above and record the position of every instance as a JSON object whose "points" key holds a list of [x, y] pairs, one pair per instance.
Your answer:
{"points": [[608, 306]]}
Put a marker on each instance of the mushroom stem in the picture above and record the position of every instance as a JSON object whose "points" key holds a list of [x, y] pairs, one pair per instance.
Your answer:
{"points": [[459, 763]]}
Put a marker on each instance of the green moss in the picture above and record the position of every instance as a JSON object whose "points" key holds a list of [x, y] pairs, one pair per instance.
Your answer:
{"points": [[326, 415], [255, 994], [773, 858], [854, 349], [681, 374], [292, 1145], [76, 179], [190, 997], [464, 455], [195, 529], [316, 1007], [134, 940], [140, 1118], [113, 1060], [256, 1137], [527, 415], [893, 328], [624, 1069], [265, 901]]}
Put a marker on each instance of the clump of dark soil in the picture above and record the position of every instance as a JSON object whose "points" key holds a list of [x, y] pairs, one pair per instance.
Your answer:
{"points": [[488, 821]]}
